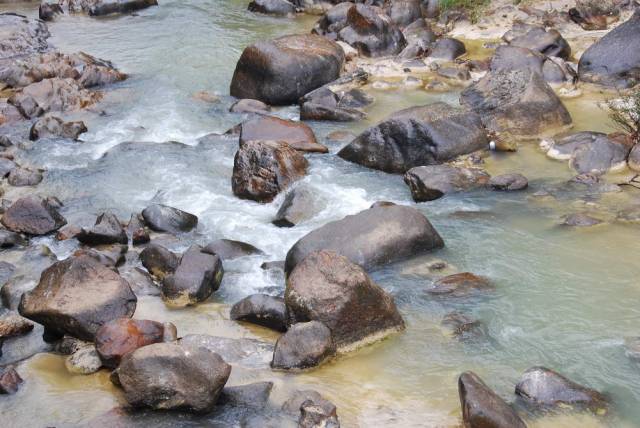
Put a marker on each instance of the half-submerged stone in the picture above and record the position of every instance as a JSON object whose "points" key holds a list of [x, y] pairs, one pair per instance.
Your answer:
{"points": [[261, 309], [483, 408], [423, 135], [33, 216], [371, 238], [329, 288], [280, 71], [305, 345], [434, 181]]}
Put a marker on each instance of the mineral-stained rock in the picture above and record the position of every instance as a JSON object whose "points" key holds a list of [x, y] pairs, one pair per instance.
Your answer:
{"points": [[268, 128], [117, 338]]}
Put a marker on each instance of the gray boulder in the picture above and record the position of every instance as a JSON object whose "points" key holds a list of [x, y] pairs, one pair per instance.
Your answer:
{"points": [[424, 135], [33, 216], [107, 230], [304, 345], [371, 32], [371, 238], [163, 218], [434, 181]]}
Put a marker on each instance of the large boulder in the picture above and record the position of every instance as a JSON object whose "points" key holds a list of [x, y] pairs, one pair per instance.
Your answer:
{"points": [[546, 388], [33, 216], [167, 376], [305, 345], [197, 276], [261, 309], [117, 338], [21, 35], [329, 288], [516, 102], [262, 169], [268, 128], [371, 32], [107, 230], [434, 181], [163, 218], [548, 42], [424, 135], [483, 408], [371, 238], [76, 297], [610, 61], [280, 71]]}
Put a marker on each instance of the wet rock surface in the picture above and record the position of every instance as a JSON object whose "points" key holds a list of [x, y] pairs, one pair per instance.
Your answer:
{"points": [[304, 345], [77, 296], [425, 135], [261, 309], [298, 135], [371, 238], [168, 376], [163, 218], [33, 216], [196, 277], [460, 285], [369, 30], [10, 380], [107, 230], [327, 287], [509, 182], [159, 261], [229, 249], [54, 127], [49, 9], [544, 387], [481, 407], [299, 205], [282, 70], [262, 169], [432, 182]]}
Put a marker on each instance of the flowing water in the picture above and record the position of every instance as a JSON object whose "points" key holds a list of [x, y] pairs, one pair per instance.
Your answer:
{"points": [[565, 298]]}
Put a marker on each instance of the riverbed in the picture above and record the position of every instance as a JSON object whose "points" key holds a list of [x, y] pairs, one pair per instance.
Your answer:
{"points": [[566, 298]]}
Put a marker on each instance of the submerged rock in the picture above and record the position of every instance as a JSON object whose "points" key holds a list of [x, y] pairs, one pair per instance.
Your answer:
{"points": [[432, 182], [166, 376], [516, 102], [580, 220], [424, 135], [54, 127], [280, 71], [609, 61], [249, 106], [460, 285], [546, 388], [483, 408], [253, 395], [509, 182], [369, 30], [229, 249], [313, 410], [33, 216], [329, 288], [304, 345], [197, 276], [371, 238], [107, 230], [163, 218], [246, 353], [117, 338], [262, 169], [298, 135], [261, 309], [462, 327], [77, 296]]}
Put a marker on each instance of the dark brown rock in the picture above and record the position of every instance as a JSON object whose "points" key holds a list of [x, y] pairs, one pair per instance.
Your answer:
{"points": [[460, 285], [118, 337], [280, 71], [163, 218], [434, 181], [370, 31], [304, 345], [483, 408], [229, 249], [107, 230], [268, 128], [261, 309], [77, 296], [166, 376], [10, 380], [33, 216], [327, 287], [262, 169], [159, 261]]}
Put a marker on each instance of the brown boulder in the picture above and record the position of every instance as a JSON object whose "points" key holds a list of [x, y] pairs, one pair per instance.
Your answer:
{"points": [[33, 216], [268, 128]]}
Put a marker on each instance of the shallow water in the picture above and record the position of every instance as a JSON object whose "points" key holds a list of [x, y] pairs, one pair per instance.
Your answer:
{"points": [[565, 298]]}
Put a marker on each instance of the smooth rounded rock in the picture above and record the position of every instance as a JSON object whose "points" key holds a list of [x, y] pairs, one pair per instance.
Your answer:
{"points": [[261, 309], [163, 218], [304, 345], [117, 338], [33, 216], [509, 182]]}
